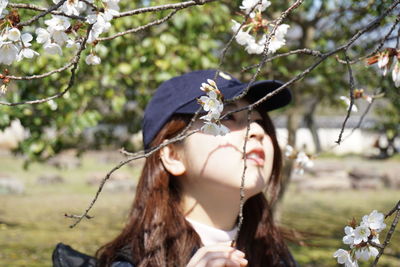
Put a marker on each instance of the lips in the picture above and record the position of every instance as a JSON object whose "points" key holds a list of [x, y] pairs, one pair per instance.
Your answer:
{"points": [[257, 156]]}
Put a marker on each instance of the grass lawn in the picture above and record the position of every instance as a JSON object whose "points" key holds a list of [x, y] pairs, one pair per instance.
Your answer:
{"points": [[32, 223]]}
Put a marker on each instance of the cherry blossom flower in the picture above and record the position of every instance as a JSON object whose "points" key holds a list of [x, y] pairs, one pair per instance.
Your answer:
{"points": [[302, 161], [343, 257], [52, 48], [211, 116], [278, 40], [366, 253], [72, 44], [248, 5], [349, 237], [26, 52], [3, 89], [92, 60], [254, 47], [57, 23], [214, 128], [43, 36], [347, 101], [211, 102], [8, 52], [3, 5], [111, 9], [242, 38], [358, 239], [59, 37], [383, 59], [100, 25], [374, 221], [396, 74], [361, 234], [72, 7], [13, 35]]}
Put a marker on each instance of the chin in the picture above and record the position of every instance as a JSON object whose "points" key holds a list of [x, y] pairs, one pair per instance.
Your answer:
{"points": [[253, 189]]}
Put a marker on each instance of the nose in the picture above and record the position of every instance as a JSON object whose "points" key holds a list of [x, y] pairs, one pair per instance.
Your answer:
{"points": [[256, 131]]}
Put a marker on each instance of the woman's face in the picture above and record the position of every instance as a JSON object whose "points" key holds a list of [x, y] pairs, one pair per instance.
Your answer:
{"points": [[216, 162]]}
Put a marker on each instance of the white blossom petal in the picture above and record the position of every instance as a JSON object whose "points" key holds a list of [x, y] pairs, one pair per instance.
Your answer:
{"points": [[13, 34], [43, 36], [52, 48], [92, 60]]}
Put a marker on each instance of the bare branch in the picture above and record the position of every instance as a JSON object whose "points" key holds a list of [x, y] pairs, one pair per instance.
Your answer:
{"points": [[241, 205], [305, 51], [44, 9], [44, 13], [176, 6], [41, 76], [140, 28], [349, 110], [389, 233]]}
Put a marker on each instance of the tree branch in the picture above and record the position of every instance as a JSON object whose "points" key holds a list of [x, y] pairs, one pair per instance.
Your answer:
{"points": [[38, 8], [176, 6]]}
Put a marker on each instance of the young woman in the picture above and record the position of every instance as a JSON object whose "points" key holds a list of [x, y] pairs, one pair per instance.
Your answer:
{"points": [[186, 207]]}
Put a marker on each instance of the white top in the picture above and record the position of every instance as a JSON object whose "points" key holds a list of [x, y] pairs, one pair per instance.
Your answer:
{"points": [[210, 235]]}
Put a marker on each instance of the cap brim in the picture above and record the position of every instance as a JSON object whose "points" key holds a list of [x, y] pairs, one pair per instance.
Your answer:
{"points": [[257, 91], [260, 89]]}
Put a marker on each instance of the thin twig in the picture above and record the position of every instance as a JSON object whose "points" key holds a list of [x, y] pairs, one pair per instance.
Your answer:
{"points": [[77, 217], [41, 76], [163, 7], [140, 28], [242, 181], [390, 213], [350, 108], [389, 233], [38, 8], [306, 51], [44, 13]]}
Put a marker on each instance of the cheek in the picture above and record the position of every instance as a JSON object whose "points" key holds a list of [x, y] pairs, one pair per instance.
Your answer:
{"points": [[269, 156], [205, 153]]}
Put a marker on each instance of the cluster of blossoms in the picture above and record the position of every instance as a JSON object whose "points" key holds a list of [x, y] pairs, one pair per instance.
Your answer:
{"points": [[359, 238], [385, 60], [213, 104], [15, 46], [301, 159], [259, 28], [11, 136], [357, 94], [60, 32]]}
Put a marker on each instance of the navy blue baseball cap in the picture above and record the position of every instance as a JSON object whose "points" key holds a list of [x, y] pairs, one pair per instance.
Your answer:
{"points": [[179, 96]]}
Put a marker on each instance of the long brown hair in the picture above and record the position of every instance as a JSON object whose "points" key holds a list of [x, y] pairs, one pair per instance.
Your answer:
{"points": [[157, 233]]}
